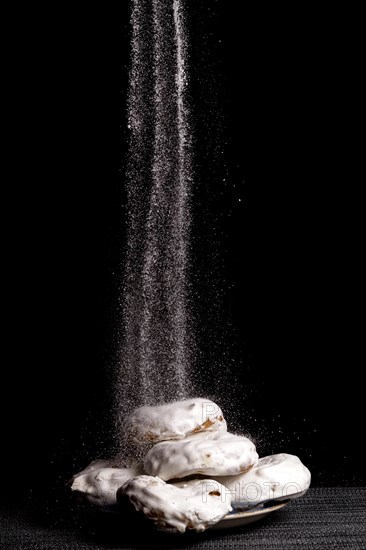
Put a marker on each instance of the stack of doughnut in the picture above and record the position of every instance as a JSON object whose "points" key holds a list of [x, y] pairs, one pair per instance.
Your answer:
{"points": [[193, 471]]}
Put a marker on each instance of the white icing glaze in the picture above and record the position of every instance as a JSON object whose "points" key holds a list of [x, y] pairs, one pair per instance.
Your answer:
{"points": [[279, 476], [99, 484], [97, 464], [175, 420], [175, 509], [213, 455]]}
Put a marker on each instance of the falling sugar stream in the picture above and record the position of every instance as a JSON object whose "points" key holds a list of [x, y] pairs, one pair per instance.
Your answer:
{"points": [[156, 341]]}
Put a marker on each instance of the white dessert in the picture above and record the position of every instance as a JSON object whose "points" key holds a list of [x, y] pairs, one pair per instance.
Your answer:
{"points": [[195, 506], [210, 455], [98, 484], [175, 420], [281, 476], [189, 438]]}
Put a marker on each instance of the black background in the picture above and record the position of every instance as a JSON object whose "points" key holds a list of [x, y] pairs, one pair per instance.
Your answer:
{"points": [[274, 98]]}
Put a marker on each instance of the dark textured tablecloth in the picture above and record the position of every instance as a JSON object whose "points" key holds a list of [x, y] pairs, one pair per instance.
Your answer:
{"points": [[323, 518]]}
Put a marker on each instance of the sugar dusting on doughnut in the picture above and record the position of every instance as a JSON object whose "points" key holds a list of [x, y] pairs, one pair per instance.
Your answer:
{"points": [[98, 483], [175, 420], [215, 454], [280, 476], [192, 506]]}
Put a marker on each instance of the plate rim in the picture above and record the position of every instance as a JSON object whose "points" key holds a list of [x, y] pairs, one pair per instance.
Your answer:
{"points": [[251, 513], [115, 509]]}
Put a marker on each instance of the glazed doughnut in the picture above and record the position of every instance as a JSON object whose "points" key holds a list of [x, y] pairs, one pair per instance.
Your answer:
{"points": [[195, 506], [281, 476], [98, 483], [214, 454], [175, 420]]}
